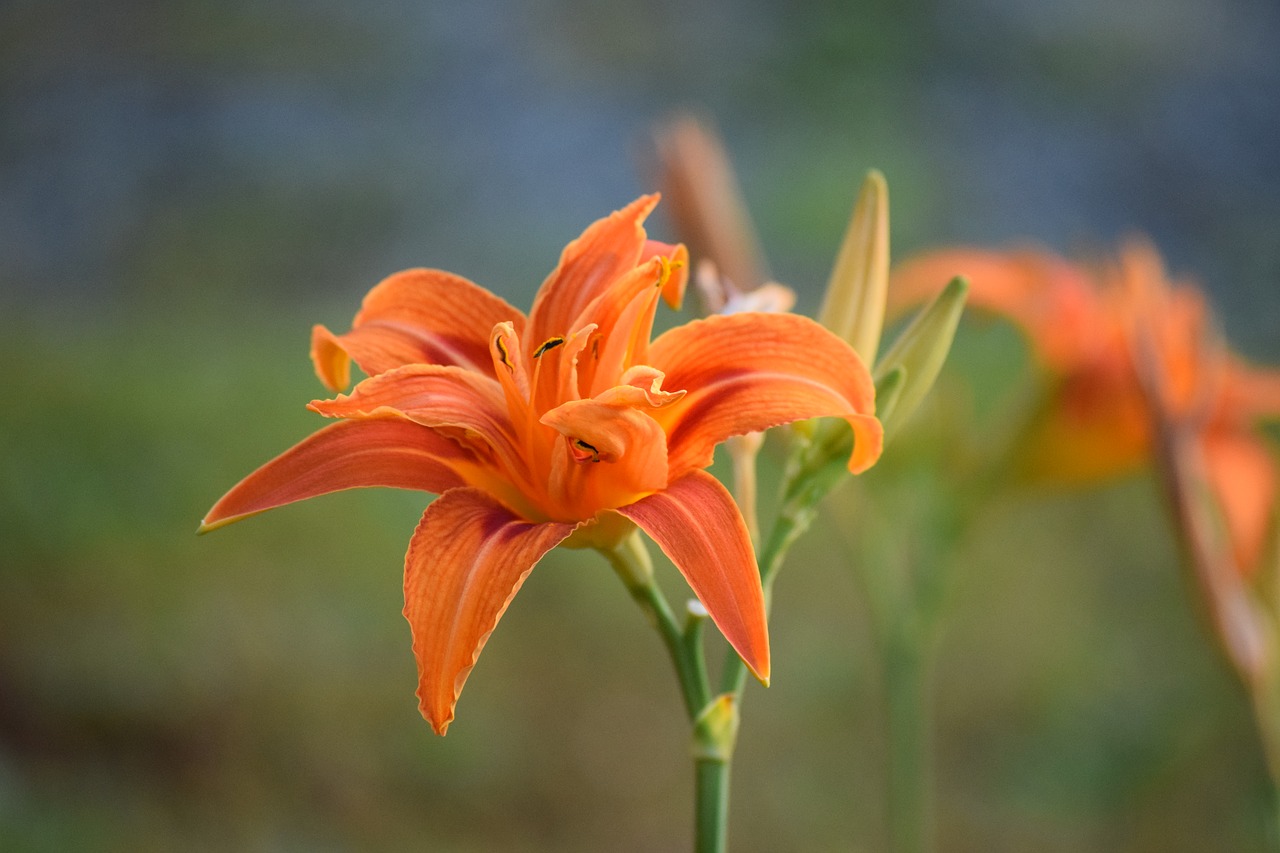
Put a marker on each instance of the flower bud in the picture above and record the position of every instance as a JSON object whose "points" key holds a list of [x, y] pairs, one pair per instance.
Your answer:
{"points": [[921, 350], [853, 307], [716, 729]]}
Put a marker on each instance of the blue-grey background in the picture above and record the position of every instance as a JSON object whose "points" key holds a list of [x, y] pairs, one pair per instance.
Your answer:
{"points": [[186, 186]]}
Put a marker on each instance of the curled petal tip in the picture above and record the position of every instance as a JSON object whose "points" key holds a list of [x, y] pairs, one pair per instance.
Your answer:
{"points": [[441, 728], [330, 360]]}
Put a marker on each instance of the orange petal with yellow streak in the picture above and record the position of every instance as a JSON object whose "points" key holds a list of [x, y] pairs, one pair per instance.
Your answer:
{"points": [[466, 561], [697, 524], [608, 248], [1242, 475], [747, 372], [354, 454], [418, 316]]}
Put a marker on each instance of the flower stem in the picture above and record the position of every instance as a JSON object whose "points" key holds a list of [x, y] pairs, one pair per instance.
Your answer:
{"points": [[714, 721], [712, 806], [715, 733], [908, 760]]}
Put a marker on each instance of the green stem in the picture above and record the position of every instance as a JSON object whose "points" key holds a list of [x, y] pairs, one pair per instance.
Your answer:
{"points": [[712, 813], [715, 722], [1265, 698], [715, 733], [630, 559], [906, 706]]}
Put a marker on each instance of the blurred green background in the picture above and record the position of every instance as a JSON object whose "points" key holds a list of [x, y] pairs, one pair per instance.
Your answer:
{"points": [[185, 187]]}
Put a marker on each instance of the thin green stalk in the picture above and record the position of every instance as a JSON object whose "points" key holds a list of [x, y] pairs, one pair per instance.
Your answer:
{"points": [[712, 806], [1265, 698], [715, 733], [906, 706]]}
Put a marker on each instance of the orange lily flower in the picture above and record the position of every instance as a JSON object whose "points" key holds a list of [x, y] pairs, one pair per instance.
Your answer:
{"points": [[1082, 327], [568, 426]]}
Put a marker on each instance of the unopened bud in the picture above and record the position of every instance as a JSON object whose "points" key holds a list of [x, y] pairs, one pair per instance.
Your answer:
{"points": [[716, 729], [889, 389], [921, 350], [853, 307]]}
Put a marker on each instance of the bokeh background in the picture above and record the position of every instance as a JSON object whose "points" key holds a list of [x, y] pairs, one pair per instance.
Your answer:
{"points": [[186, 186]]}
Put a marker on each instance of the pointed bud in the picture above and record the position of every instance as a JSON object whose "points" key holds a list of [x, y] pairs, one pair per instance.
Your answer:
{"points": [[854, 305], [921, 350], [889, 389]]}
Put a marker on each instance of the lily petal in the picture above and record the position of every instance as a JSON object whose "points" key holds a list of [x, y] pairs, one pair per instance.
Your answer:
{"points": [[748, 372], [354, 454], [623, 315], [1252, 392], [613, 455], [418, 316], [464, 405], [1089, 427], [609, 248], [466, 561], [1242, 475], [696, 523], [1050, 300]]}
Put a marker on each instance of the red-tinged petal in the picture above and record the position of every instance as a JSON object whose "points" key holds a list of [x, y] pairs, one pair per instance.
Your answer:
{"points": [[379, 452], [1052, 302], [608, 248], [748, 372], [418, 316], [696, 523], [465, 563], [1242, 475], [465, 404]]}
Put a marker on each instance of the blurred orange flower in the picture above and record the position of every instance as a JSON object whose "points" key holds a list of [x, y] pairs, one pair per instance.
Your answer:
{"points": [[566, 426], [1083, 326]]}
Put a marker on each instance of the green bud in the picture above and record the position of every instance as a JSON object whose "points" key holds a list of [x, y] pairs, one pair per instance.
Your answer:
{"points": [[716, 729], [853, 307], [889, 388], [921, 350]]}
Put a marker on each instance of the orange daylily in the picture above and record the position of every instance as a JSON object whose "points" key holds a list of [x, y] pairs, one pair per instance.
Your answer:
{"points": [[568, 426], [1082, 327]]}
